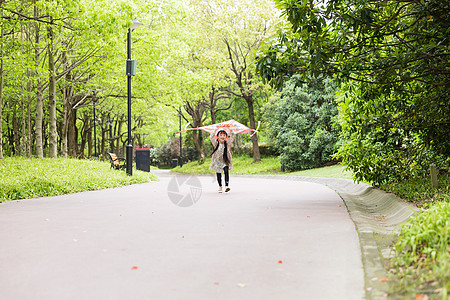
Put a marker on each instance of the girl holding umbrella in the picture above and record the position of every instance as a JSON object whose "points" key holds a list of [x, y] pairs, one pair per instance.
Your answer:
{"points": [[221, 136], [221, 160]]}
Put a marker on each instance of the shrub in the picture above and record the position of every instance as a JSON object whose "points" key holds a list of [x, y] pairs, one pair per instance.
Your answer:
{"points": [[301, 123], [163, 155]]}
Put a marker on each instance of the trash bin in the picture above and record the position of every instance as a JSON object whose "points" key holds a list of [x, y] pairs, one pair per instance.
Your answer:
{"points": [[143, 159], [174, 162]]}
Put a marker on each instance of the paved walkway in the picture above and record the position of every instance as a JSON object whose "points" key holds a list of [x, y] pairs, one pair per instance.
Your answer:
{"points": [[267, 239]]}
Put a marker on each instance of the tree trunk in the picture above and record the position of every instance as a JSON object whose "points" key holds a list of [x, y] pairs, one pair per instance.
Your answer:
{"points": [[213, 116], [39, 121], [118, 141], [53, 134], [196, 111], [10, 131], [214, 97], [102, 145], [1, 90], [89, 140], [15, 124], [64, 148], [23, 148], [39, 94], [29, 141], [84, 135], [251, 115], [23, 133], [110, 138], [65, 100], [199, 145], [1, 105], [72, 136]]}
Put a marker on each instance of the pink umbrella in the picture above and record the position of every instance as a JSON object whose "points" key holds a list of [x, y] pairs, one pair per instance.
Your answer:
{"points": [[232, 125]]}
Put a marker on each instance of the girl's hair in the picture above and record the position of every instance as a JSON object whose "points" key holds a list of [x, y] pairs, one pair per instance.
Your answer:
{"points": [[225, 152]]}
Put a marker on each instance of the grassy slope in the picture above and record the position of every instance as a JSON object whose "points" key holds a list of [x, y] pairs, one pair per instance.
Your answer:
{"points": [[269, 165], [22, 178], [420, 190], [421, 264]]}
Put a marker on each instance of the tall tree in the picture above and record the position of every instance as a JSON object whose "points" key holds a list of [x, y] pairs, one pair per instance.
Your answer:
{"points": [[53, 135], [244, 79], [39, 86], [196, 110], [238, 30]]}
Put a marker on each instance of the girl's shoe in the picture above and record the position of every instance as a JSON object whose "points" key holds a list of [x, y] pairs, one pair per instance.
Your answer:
{"points": [[227, 189], [220, 189]]}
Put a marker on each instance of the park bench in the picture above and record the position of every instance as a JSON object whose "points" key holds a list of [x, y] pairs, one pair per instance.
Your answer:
{"points": [[117, 163]]}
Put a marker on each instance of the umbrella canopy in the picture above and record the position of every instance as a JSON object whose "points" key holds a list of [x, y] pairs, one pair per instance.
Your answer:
{"points": [[230, 125]]}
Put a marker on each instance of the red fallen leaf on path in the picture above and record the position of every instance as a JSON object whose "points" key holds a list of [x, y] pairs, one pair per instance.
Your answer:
{"points": [[421, 297], [182, 236], [308, 216], [134, 268], [280, 261], [383, 279]]}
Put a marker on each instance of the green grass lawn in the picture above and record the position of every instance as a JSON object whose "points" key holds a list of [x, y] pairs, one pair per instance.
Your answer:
{"points": [[22, 178], [243, 164], [335, 171]]}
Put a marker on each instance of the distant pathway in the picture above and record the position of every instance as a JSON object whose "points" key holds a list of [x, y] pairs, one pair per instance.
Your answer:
{"points": [[267, 239]]}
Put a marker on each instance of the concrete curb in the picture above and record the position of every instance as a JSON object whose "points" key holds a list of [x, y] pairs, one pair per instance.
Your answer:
{"points": [[377, 215]]}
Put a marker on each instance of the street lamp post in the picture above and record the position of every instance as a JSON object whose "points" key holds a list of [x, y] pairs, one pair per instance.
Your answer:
{"points": [[131, 71], [181, 141], [109, 123]]}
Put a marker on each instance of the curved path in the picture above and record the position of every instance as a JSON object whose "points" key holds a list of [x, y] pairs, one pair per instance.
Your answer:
{"points": [[267, 239]]}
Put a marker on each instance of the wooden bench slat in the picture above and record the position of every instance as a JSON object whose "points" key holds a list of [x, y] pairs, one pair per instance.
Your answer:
{"points": [[115, 161]]}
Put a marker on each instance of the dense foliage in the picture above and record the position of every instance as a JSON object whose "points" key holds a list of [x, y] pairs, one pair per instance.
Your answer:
{"points": [[393, 55], [301, 123], [376, 150], [63, 88], [62, 63]]}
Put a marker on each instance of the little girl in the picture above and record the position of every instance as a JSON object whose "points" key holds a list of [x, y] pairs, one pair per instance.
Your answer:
{"points": [[221, 156]]}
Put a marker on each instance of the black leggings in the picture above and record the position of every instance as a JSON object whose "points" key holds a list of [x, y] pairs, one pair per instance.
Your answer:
{"points": [[227, 176]]}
